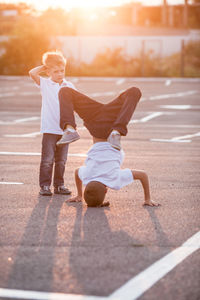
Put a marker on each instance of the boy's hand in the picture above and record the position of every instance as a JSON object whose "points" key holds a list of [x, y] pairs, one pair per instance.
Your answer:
{"points": [[74, 199], [151, 203]]}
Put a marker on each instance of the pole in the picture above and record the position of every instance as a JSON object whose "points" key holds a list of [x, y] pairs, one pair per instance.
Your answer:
{"points": [[182, 66], [142, 58]]}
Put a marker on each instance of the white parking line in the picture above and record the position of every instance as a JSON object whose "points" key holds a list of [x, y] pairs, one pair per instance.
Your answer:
{"points": [[99, 94], [175, 95], [178, 139], [168, 82], [131, 290], [20, 294], [32, 134], [170, 141], [7, 95], [120, 81], [19, 121], [29, 93], [10, 88], [3, 95], [151, 116], [135, 287], [28, 135], [4, 182], [38, 154], [182, 137], [181, 107]]}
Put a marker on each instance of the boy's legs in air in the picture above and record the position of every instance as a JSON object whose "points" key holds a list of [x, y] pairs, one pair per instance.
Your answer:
{"points": [[102, 120]]}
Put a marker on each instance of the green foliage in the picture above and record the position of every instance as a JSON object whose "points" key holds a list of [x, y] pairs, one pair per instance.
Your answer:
{"points": [[57, 21], [115, 63], [24, 50]]}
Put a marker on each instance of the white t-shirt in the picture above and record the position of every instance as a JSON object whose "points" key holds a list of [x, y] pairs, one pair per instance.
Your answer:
{"points": [[103, 165], [50, 111]]}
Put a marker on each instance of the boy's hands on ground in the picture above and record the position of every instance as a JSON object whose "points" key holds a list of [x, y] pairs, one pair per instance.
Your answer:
{"points": [[74, 199], [151, 203]]}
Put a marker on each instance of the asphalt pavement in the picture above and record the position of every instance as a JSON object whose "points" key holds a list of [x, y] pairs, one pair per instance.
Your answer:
{"points": [[47, 245]]}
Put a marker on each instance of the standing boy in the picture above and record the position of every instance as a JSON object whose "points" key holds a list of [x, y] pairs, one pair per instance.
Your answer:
{"points": [[54, 66]]}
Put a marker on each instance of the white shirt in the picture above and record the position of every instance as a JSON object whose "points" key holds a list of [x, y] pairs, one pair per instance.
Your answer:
{"points": [[103, 165], [50, 111]]}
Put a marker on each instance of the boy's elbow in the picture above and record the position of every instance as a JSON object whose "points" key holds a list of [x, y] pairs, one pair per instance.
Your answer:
{"points": [[76, 172], [139, 175]]}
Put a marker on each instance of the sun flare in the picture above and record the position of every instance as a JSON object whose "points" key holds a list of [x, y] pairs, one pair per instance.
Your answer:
{"points": [[69, 4]]}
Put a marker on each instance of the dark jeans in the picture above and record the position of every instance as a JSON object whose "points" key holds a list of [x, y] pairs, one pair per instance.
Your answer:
{"points": [[52, 155], [100, 119]]}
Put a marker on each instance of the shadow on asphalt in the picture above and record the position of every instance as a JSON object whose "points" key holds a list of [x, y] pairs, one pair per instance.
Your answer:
{"points": [[34, 260], [98, 254], [161, 236]]}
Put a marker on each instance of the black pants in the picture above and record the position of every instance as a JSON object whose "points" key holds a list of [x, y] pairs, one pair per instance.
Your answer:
{"points": [[100, 119]]}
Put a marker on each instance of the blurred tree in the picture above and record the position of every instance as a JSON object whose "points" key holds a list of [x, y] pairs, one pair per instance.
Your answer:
{"points": [[57, 22], [25, 48], [8, 23]]}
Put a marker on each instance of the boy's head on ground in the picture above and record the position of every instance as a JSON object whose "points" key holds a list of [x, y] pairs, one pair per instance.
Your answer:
{"points": [[94, 193], [55, 63]]}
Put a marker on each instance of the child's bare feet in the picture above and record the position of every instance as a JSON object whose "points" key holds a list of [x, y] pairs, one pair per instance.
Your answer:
{"points": [[151, 203], [74, 199]]}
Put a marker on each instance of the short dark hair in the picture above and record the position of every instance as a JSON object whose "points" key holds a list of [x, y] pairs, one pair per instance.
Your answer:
{"points": [[94, 193]]}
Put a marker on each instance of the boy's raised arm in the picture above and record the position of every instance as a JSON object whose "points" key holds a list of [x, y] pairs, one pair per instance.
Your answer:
{"points": [[142, 176], [34, 73], [77, 198]]}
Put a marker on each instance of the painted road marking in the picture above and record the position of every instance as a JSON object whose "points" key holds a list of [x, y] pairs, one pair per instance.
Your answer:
{"points": [[131, 290], [99, 94], [120, 81], [29, 94], [135, 287], [175, 95], [32, 134], [3, 95], [28, 135], [7, 95], [178, 139], [10, 88], [19, 121], [151, 116], [170, 141], [168, 96], [38, 154], [111, 93], [4, 182], [181, 107], [20, 294], [168, 82]]}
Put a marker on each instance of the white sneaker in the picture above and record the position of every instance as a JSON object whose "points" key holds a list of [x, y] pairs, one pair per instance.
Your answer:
{"points": [[68, 137], [115, 140]]}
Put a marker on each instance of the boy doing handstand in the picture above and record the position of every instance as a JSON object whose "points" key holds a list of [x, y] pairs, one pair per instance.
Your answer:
{"points": [[102, 171], [106, 123], [54, 65]]}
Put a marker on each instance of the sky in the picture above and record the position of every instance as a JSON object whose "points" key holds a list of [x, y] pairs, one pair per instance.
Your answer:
{"points": [[67, 4]]}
